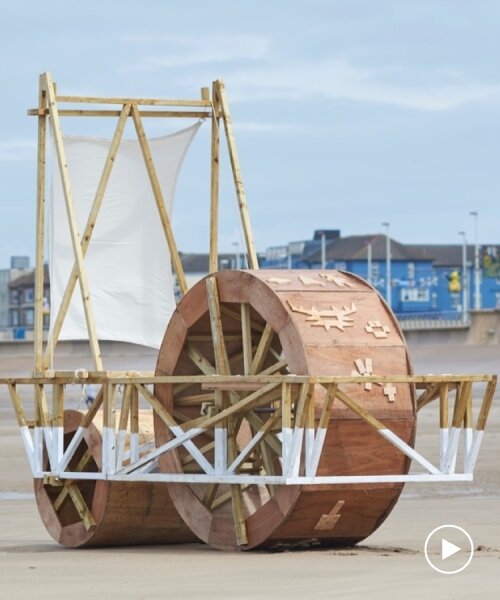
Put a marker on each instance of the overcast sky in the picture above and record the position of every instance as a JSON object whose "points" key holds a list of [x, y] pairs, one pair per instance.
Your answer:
{"points": [[347, 113]]}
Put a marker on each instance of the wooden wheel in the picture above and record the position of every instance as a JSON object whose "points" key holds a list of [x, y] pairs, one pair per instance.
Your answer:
{"points": [[81, 513], [253, 322]]}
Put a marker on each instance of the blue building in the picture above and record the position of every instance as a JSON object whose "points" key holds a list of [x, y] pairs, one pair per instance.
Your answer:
{"points": [[425, 279]]}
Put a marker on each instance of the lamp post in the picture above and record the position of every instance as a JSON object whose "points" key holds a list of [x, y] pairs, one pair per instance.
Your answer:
{"points": [[369, 262], [477, 272], [323, 249], [388, 285], [237, 255], [465, 279]]}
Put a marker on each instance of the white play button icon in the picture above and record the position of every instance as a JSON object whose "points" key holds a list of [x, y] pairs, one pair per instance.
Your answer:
{"points": [[448, 549]]}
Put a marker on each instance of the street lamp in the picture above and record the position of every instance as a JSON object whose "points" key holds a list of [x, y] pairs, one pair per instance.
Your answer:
{"points": [[369, 262], [465, 278], [323, 249], [477, 272], [388, 289], [237, 254]]}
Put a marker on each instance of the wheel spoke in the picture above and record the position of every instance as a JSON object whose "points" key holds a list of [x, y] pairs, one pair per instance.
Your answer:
{"points": [[246, 337], [262, 349], [82, 463]]}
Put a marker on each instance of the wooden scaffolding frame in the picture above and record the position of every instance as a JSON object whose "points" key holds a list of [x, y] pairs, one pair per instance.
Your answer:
{"points": [[291, 435], [212, 106]]}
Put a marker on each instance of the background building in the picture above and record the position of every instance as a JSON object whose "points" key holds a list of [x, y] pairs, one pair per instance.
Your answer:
{"points": [[425, 279]]}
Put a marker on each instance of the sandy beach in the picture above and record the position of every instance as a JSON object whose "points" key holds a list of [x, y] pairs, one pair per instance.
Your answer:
{"points": [[389, 564]]}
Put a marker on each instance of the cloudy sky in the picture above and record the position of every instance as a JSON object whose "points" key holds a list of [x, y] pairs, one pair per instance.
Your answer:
{"points": [[347, 113]]}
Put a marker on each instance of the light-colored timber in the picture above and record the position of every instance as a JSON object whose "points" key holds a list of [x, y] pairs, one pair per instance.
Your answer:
{"points": [[283, 406]]}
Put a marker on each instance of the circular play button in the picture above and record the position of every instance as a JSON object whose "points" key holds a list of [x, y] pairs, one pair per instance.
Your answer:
{"points": [[448, 549]]}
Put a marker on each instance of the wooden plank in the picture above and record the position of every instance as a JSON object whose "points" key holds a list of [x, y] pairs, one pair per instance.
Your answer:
{"points": [[134, 424], [237, 317], [275, 368], [214, 186], [157, 406], [109, 429], [133, 101], [431, 393], [160, 202], [58, 405], [220, 352], [87, 234], [236, 493], [199, 359], [222, 366], [92, 411], [40, 228], [262, 350], [443, 406], [81, 506], [326, 409], [232, 387], [124, 377], [486, 404], [82, 463], [175, 114], [263, 431], [359, 410], [254, 400], [72, 222], [194, 400], [43, 409], [125, 408], [302, 406], [246, 332], [286, 400], [461, 404], [220, 94], [17, 404], [271, 439]]}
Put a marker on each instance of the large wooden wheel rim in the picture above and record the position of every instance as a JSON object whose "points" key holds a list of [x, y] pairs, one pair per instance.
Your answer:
{"points": [[73, 511], [263, 332]]}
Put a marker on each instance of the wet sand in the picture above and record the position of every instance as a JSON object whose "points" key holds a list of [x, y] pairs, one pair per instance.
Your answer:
{"points": [[389, 564]]}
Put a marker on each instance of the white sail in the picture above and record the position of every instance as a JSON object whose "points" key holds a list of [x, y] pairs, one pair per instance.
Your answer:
{"points": [[128, 261]]}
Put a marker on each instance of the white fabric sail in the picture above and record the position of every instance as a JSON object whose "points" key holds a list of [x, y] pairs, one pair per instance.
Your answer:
{"points": [[128, 261]]}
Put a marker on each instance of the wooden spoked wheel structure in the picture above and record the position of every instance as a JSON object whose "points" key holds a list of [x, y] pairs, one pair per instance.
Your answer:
{"points": [[79, 513], [297, 322]]}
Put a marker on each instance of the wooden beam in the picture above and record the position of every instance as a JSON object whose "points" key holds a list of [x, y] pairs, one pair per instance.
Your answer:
{"points": [[461, 404], [222, 366], [246, 332], [81, 506], [253, 400], [237, 176], [17, 404], [160, 202], [199, 359], [214, 184], [326, 409], [40, 228], [87, 234], [73, 226], [82, 463], [176, 114], [220, 352], [133, 101], [428, 395], [443, 406], [262, 350], [486, 404]]}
